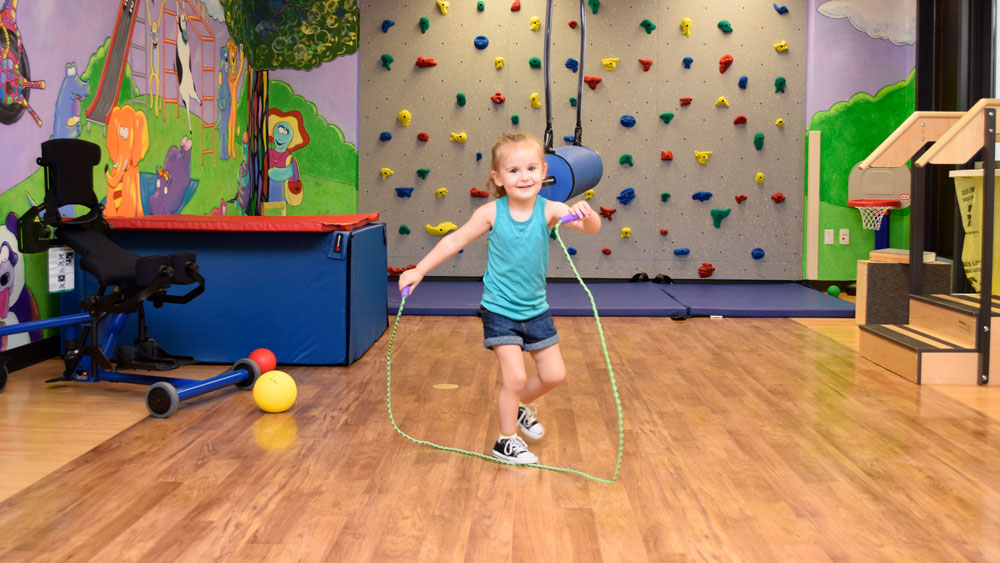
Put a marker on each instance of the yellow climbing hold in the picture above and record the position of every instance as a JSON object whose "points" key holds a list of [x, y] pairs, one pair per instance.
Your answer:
{"points": [[443, 6], [626, 232], [441, 192], [535, 23], [459, 137], [759, 178], [404, 117], [499, 61], [722, 101], [781, 47], [779, 122], [442, 228], [686, 26], [589, 194], [702, 156], [610, 63], [536, 102], [386, 172]]}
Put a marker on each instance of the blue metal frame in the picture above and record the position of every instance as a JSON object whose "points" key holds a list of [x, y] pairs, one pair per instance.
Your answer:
{"points": [[110, 330]]}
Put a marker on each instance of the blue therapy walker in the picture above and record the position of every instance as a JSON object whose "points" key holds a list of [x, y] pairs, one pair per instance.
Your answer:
{"points": [[572, 170]]}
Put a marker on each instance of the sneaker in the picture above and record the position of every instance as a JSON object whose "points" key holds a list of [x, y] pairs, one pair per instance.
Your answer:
{"points": [[514, 450], [527, 423]]}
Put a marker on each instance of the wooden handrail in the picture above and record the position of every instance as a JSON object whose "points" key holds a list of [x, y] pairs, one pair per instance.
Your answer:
{"points": [[962, 140], [906, 140]]}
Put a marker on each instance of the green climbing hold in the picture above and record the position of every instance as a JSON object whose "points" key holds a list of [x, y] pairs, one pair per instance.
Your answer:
{"points": [[718, 215], [725, 26], [515, 119], [626, 159], [480, 5], [758, 141], [667, 116], [572, 101], [552, 233], [387, 61], [779, 84], [648, 26], [594, 5], [664, 196], [460, 98], [425, 24], [423, 172], [535, 62], [404, 230]]}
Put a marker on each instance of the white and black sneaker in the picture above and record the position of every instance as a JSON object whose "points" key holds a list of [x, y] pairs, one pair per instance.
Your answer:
{"points": [[527, 423], [514, 450]]}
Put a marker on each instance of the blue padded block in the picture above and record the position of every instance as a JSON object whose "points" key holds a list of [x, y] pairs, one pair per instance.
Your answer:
{"points": [[565, 299], [757, 300]]}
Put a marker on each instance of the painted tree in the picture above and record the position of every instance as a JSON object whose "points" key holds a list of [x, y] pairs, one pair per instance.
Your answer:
{"points": [[293, 34]]}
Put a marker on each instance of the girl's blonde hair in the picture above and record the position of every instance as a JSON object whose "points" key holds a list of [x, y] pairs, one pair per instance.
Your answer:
{"points": [[503, 141]]}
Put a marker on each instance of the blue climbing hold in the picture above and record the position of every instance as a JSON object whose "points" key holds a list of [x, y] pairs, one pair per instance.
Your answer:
{"points": [[701, 196], [628, 121], [572, 64], [743, 82], [757, 253], [571, 250], [687, 62], [569, 138], [404, 192], [479, 156], [626, 196], [481, 42], [385, 136], [780, 9], [682, 251], [386, 24]]}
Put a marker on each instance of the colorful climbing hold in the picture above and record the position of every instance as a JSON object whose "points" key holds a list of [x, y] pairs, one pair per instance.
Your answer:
{"points": [[667, 116], [646, 64], [664, 196], [606, 251], [740, 198], [725, 61], [516, 6], [440, 229], [648, 26], [779, 122], [443, 6], [687, 62], [607, 213], [481, 42], [572, 64], [778, 197], [423, 137], [536, 101], [404, 117], [569, 138], [592, 81], [535, 23], [781, 46], [706, 269], [626, 232], [686, 101], [572, 101], [386, 24], [758, 141], [535, 62], [627, 121], [759, 178], [404, 192], [499, 62], [573, 24], [387, 61], [701, 196], [571, 251], [475, 192], [725, 26], [625, 159], [740, 120], [515, 119], [385, 172], [664, 231], [742, 83], [426, 62], [702, 156], [404, 230], [757, 253], [479, 156], [722, 101], [718, 215], [498, 98], [779, 84], [385, 136], [423, 172], [480, 5], [589, 194], [682, 251], [441, 192], [666, 155], [459, 137], [425, 24], [460, 99], [686, 26], [780, 9], [595, 5], [626, 196], [610, 63]]}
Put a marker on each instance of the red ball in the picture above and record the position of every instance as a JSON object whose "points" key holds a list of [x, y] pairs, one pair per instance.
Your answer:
{"points": [[264, 359]]}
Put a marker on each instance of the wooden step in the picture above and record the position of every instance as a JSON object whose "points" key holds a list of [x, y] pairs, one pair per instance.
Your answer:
{"points": [[950, 317], [920, 357]]}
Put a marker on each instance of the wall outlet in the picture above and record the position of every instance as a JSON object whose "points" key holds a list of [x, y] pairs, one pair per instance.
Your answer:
{"points": [[828, 236], [845, 236]]}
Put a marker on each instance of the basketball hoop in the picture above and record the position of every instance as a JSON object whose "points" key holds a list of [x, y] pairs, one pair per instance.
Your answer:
{"points": [[873, 211]]}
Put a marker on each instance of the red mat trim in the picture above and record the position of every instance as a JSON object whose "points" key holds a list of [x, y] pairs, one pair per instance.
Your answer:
{"points": [[292, 223]]}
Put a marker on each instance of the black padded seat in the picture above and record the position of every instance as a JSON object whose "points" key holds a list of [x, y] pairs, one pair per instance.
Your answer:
{"points": [[107, 261]]}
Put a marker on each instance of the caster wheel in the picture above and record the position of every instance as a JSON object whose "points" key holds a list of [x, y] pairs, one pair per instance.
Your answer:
{"points": [[3, 377], [251, 367], [162, 399]]}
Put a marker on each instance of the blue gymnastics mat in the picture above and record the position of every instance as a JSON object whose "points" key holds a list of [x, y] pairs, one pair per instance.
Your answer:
{"points": [[757, 300], [614, 299]]}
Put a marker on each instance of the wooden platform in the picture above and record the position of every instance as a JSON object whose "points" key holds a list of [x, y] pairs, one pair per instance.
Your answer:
{"points": [[749, 439]]}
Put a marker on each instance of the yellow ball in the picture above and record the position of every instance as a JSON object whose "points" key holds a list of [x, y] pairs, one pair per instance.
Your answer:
{"points": [[274, 391]]}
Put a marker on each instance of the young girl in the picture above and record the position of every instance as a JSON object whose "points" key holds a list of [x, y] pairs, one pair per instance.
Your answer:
{"points": [[514, 310]]}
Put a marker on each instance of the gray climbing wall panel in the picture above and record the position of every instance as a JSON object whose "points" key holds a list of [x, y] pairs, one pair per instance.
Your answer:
{"points": [[429, 94]]}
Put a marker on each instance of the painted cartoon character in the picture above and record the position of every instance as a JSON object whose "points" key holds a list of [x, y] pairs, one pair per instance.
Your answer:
{"points": [[172, 180], [17, 304], [235, 66], [67, 116], [127, 142], [288, 135], [182, 65], [243, 182], [15, 75], [155, 100], [224, 101]]}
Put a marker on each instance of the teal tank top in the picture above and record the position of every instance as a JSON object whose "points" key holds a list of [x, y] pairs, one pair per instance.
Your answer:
{"points": [[514, 283]]}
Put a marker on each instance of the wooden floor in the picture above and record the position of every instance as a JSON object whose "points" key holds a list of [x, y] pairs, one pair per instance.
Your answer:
{"points": [[746, 439]]}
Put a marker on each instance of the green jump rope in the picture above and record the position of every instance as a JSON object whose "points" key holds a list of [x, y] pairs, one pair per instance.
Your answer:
{"points": [[607, 361]]}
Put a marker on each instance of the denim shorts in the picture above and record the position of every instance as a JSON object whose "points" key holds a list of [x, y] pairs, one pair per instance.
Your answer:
{"points": [[530, 335]]}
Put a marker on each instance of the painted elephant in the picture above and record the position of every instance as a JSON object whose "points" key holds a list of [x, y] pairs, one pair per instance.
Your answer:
{"points": [[127, 142]]}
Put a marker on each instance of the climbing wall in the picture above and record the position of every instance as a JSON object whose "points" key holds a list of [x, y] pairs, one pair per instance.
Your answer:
{"points": [[736, 213]]}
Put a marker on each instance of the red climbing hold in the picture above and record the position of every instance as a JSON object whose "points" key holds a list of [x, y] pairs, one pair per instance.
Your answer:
{"points": [[740, 120], [424, 62], [398, 271], [685, 102], [497, 98], [778, 197], [592, 81], [646, 63], [572, 24], [664, 231], [423, 137], [607, 213], [606, 251], [706, 270], [741, 198], [666, 155], [516, 6], [724, 63], [479, 193]]}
